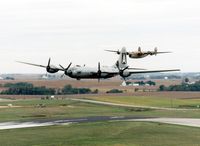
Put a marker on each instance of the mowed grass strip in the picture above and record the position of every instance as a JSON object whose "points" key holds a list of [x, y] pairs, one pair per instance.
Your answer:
{"points": [[151, 101], [55, 109], [62, 109], [103, 134]]}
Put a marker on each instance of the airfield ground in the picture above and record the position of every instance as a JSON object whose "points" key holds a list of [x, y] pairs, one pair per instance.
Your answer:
{"points": [[102, 133], [97, 133]]}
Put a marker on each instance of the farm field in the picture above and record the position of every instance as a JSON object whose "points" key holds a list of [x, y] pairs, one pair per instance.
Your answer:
{"points": [[153, 101], [104, 86]]}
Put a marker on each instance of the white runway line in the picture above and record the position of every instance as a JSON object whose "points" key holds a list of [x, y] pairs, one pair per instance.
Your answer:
{"points": [[176, 121], [16, 125]]}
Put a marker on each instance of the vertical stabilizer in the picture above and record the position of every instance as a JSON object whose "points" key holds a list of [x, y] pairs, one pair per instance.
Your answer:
{"points": [[122, 61]]}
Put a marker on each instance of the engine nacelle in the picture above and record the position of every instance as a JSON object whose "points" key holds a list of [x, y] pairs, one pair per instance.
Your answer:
{"points": [[125, 74], [52, 69]]}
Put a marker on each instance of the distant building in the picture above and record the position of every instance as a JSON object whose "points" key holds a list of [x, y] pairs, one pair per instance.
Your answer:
{"points": [[44, 77], [166, 78], [124, 84]]}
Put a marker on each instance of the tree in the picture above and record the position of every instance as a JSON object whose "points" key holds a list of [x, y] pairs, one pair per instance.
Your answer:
{"points": [[162, 88], [114, 91]]}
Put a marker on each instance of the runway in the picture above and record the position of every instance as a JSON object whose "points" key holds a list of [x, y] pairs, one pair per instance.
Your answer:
{"points": [[39, 123]]}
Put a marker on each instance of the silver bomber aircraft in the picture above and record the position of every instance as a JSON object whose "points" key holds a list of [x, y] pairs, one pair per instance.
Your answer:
{"points": [[101, 72], [140, 53]]}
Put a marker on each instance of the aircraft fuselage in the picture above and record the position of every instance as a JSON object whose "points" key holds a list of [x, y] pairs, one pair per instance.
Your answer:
{"points": [[137, 55], [83, 72]]}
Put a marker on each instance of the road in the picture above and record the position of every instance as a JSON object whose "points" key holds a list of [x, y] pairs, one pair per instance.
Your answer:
{"points": [[39, 123], [126, 105]]}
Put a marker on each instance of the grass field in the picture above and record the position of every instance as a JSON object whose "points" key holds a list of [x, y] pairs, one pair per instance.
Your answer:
{"points": [[58, 109], [54, 109], [98, 133], [103, 134], [151, 101]]}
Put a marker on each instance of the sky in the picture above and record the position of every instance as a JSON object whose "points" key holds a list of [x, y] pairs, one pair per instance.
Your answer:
{"points": [[79, 31]]}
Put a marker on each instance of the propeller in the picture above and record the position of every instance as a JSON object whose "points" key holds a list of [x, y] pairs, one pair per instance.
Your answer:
{"points": [[65, 69], [48, 66], [99, 72], [49, 61]]}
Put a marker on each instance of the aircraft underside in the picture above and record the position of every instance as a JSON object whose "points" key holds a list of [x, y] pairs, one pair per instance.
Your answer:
{"points": [[94, 76]]}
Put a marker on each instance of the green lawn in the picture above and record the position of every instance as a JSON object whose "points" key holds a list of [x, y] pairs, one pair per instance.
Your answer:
{"points": [[97, 133], [103, 134], [59, 109], [55, 109], [151, 101]]}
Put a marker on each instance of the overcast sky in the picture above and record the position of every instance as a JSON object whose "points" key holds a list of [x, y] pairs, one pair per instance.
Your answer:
{"points": [[80, 30]]}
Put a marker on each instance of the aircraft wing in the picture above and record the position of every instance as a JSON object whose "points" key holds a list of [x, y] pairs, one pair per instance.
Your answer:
{"points": [[111, 73], [155, 53], [31, 64], [38, 65], [162, 52], [153, 71], [112, 51]]}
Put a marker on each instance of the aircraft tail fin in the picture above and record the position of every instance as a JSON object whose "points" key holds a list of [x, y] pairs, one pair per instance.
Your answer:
{"points": [[122, 61]]}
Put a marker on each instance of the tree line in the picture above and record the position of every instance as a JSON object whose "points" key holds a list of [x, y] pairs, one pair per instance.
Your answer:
{"points": [[181, 87], [24, 88]]}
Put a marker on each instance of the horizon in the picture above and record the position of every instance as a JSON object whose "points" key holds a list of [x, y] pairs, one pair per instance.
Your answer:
{"points": [[79, 31]]}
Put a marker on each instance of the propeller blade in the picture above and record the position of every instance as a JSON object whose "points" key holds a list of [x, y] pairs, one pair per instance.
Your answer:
{"points": [[99, 68], [49, 62], [62, 67], [62, 75], [117, 64], [65, 69], [125, 68], [99, 72], [68, 66]]}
